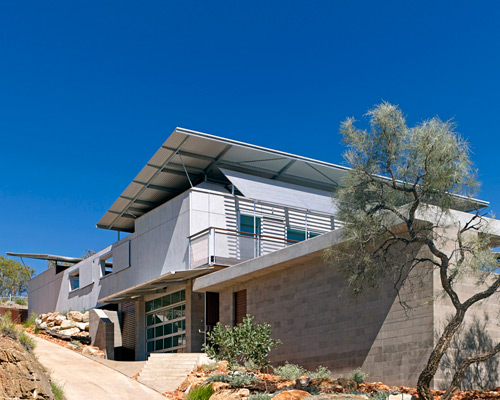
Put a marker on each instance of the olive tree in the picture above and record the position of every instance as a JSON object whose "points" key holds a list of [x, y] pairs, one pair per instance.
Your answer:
{"points": [[399, 173]]}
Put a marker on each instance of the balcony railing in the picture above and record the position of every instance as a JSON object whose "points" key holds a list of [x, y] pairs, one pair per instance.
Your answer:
{"points": [[228, 247]]}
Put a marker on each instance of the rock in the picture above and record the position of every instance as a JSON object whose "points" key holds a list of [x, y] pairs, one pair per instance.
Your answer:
{"points": [[347, 383], [43, 317], [326, 385], [85, 317], [400, 396], [43, 326], [75, 316], [190, 382], [231, 394], [339, 396], [291, 395], [82, 326], [21, 375], [302, 382], [218, 386], [59, 319], [69, 332], [51, 324], [65, 324]]}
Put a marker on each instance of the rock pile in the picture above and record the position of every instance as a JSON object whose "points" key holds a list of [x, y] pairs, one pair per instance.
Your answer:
{"points": [[74, 323]]}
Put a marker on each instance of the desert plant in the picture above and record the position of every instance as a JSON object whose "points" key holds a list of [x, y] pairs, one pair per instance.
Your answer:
{"points": [[260, 396], [320, 373], [251, 366], [7, 326], [21, 302], [246, 341], [289, 371], [26, 341], [57, 391], [210, 367], [237, 379], [201, 392], [30, 321], [358, 375]]}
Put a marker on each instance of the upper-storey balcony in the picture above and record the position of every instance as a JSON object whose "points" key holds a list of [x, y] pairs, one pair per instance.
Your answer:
{"points": [[254, 228]]}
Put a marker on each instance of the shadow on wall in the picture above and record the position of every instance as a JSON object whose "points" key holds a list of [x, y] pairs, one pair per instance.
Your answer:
{"points": [[471, 339]]}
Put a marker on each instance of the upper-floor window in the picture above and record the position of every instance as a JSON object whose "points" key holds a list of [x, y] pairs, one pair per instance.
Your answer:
{"points": [[250, 224], [299, 235], [74, 280], [106, 264]]}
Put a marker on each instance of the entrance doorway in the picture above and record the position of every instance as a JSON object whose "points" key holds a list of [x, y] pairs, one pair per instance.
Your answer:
{"points": [[211, 310]]}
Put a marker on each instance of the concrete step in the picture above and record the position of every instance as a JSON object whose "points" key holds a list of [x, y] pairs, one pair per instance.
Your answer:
{"points": [[164, 372]]}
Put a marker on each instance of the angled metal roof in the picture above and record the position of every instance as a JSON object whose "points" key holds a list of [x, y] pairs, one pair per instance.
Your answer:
{"points": [[189, 157], [199, 156], [47, 257]]}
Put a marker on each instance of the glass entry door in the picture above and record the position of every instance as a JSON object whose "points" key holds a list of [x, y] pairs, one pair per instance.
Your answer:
{"points": [[250, 228]]}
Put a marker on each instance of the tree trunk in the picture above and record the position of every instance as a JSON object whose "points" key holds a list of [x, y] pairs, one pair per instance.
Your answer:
{"points": [[426, 376]]}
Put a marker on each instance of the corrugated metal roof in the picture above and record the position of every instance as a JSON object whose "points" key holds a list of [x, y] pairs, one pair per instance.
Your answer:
{"points": [[202, 155]]}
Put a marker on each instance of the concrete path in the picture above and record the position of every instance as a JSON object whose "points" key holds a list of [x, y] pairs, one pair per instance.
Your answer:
{"points": [[84, 379]]}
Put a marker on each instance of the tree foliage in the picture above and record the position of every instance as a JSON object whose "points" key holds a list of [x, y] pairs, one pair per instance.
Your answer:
{"points": [[242, 343], [14, 277], [397, 202]]}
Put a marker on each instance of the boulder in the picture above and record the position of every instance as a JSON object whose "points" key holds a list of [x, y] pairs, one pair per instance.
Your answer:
{"points": [[190, 382], [59, 319], [21, 375], [82, 326], [291, 395], [325, 385], [231, 394], [85, 317], [43, 325], [75, 316], [66, 324], [69, 332]]}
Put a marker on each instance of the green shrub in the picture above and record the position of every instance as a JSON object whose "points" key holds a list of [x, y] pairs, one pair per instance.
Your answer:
{"points": [[57, 391], [290, 372], [246, 341], [201, 392], [320, 373], [237, 379], [21, 302], [358, 375], [7, 326], [27, 341], [260, 396], [31, 320], [251, 366]]}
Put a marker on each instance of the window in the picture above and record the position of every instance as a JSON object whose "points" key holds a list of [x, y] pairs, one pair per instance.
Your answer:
{"points": [[299, 235], [74, 280], [106, 263], [250, 225], [166, 323]]}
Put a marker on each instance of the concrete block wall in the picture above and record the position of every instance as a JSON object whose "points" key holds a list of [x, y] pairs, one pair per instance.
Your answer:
{"points": [[319, 327]]}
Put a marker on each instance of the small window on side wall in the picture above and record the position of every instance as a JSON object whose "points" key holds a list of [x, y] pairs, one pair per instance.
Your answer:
{"points": [[74, 280], [106, 263]]}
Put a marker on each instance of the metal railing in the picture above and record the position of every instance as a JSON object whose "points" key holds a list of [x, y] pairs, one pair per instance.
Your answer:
{"points": [[228, 247]]}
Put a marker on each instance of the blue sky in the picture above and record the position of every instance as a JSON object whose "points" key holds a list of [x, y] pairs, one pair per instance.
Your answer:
{"points": [[89, 91]]}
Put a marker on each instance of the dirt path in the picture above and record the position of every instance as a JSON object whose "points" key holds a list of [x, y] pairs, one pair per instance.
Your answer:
{"points": [[84, 379]]}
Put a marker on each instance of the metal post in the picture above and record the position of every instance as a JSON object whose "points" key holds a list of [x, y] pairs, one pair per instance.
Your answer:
{"points": [[306, 227]]}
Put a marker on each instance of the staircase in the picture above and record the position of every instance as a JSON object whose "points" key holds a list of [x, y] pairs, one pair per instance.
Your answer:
{"points": [[164, 372]]}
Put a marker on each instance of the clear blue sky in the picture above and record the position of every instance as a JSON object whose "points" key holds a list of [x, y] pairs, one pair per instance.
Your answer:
{"points": [[89, 91]]}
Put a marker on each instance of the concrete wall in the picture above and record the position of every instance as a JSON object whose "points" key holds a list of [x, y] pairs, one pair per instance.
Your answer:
{"points": [[158, 245], [318, 327]]}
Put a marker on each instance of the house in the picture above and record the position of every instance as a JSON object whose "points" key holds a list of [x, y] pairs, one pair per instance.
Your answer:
{"points": [[218, 229]]}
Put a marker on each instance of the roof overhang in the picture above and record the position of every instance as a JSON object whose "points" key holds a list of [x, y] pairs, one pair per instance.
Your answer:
{"points": [[156, 285], [47, 257], [188, 158]]}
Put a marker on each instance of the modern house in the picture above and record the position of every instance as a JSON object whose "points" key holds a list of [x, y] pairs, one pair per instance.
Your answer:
{"points": [[218, 229]]}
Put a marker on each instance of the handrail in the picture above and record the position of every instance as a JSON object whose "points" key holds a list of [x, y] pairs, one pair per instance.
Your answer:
{"points": [[243, 234]]}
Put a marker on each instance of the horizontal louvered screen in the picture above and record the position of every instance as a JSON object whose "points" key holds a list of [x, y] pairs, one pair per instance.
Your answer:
{"points": [[240, 306]]}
